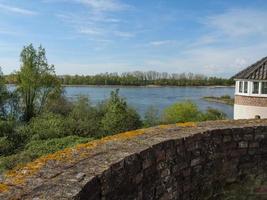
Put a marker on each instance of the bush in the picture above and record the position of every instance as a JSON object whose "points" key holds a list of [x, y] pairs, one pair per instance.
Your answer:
{"points": [[58, 103], [151, 117], [181, 112], [46, 126], [10, 137], [118, 116], [38, 148], [212, 114], [84, 119]]}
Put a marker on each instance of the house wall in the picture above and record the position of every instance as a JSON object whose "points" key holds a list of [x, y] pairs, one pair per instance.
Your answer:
{"points": [[248, 105], [249, 112]]}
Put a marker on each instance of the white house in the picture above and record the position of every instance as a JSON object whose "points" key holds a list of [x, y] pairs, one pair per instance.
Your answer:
{"points": [[251, 91]]}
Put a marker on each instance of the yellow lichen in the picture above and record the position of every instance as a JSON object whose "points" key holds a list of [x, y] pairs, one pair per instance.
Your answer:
{"points": [[184, 124], [164, 126], [187, 124], [3, 188]]}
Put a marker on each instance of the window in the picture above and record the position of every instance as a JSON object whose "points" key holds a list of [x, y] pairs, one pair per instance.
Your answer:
{"points": [[245, 87], [264, 88], [255, 88], [240, 86]]}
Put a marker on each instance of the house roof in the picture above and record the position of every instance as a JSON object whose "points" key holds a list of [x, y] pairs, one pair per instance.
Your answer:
{"points": [[257, 71]]}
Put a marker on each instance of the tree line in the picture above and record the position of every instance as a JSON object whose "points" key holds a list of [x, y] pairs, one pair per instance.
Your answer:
{"points": [[138, 78]]}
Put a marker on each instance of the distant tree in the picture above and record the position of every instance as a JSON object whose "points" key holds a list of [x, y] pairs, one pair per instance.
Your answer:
{"points": [[36, 80], [118, 116]]}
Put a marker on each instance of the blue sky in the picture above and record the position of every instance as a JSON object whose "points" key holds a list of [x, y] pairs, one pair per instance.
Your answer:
{"points": [[212, 37]]}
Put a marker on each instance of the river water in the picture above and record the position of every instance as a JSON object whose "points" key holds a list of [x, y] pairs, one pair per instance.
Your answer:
{"points": [[160, 97]]}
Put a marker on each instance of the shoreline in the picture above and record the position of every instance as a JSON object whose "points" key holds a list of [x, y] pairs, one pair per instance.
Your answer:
{"points": [[229, 102], [147, 86], [143, 86]]}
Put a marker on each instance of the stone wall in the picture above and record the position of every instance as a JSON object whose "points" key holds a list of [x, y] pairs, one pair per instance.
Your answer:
{"points": [[165, 162]]}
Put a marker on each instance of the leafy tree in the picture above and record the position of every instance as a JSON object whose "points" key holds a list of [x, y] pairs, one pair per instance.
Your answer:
{"points": [[151, 117], [36, 80], [181, 112], [118, 116]]}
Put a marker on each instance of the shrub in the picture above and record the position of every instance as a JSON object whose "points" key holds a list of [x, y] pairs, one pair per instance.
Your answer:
{"points": [[84, 119], [46, 126], [118, 116], [212, 114], [181, 112], [151, 117], [10, 137], [58, 103]]}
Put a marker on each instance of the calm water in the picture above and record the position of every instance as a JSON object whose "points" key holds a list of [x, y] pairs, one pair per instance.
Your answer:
{"points": [[160, 97], [142, 97]]}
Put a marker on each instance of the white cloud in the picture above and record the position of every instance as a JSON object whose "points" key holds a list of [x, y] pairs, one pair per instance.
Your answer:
{"points": [[239, 22], [91, 31], [99, 22], [124, 34], [17, 10], [162, 43], [104, 5]]}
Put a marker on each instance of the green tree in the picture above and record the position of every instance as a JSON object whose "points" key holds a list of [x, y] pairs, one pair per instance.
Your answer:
{"points": [[181, 112], [36, 80], [118, 116]]}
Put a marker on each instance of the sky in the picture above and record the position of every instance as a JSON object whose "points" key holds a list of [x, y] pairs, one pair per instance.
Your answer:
{"points": [[210, 37]]}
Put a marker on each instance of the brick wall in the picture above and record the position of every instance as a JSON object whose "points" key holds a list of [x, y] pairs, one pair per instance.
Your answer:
{"points": [[251, 101], [195, 167]]}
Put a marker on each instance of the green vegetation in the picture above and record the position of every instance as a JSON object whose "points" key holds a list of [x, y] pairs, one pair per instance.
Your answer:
{"points": [[37, 118], [139, 78], [225, 99], [189, 112]]}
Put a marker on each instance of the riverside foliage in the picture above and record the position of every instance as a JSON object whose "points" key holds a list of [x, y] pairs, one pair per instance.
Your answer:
{"points": [[37, 118]]}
